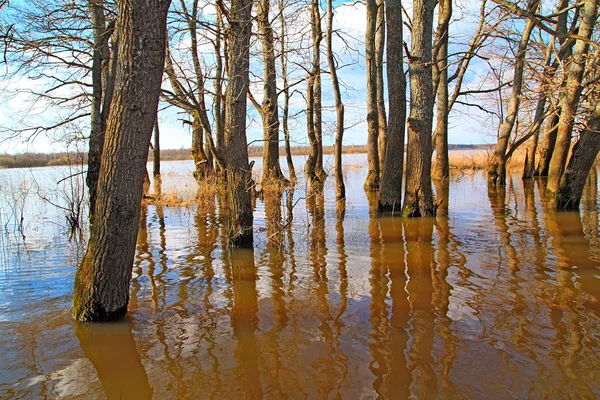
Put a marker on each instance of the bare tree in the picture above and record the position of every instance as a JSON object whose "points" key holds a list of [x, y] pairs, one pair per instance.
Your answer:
{"points": [[497, 169], [340, 188], [440, 71]]}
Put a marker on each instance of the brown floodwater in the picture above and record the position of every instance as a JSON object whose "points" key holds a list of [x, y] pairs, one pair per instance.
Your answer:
{"points": [[498, 299]]}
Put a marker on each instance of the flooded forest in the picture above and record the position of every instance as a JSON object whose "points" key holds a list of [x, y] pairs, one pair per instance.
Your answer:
{"points": [[407, 271]]}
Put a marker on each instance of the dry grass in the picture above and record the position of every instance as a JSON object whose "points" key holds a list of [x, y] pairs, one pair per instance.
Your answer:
{"points": [[469, 162], [184, 190]]}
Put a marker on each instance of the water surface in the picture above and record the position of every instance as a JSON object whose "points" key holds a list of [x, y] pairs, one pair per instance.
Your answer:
{"points": [[498, 299]]}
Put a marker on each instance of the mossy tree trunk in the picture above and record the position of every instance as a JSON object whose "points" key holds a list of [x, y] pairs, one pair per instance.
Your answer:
{"points": [[101, 289]]}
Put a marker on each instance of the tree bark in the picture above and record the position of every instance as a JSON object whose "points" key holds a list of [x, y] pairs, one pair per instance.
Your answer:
{"points": [[372, 181], [497, 169], [418, 200], [570, 96], [239, 178], [440, 64], [390, 191], [581, 162], [270, 111], [340, 188], [379, 49], [101, 289]]}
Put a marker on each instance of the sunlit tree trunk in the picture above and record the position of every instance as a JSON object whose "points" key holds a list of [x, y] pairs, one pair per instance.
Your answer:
{"points": [[418, 200], [440, 65], [549, 138], [270, 111], [239, 179], [340, 188], [497, 168], [101, 289], [390, 191], [372, 181], [570, 95]]}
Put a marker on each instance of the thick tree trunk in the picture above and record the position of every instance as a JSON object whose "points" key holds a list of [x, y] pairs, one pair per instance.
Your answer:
{"points": [[379, 49], [570, 96], [390, 191], [100, 74], [372, 181], [581, 162], [418, 200], [286, 97], [101, 289], [440, 59], [270, 111], [340, 188], [497, 169], [239, 178]]}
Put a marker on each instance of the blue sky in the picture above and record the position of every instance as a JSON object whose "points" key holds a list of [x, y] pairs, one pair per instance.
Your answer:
{"points": [[466, 125]]}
